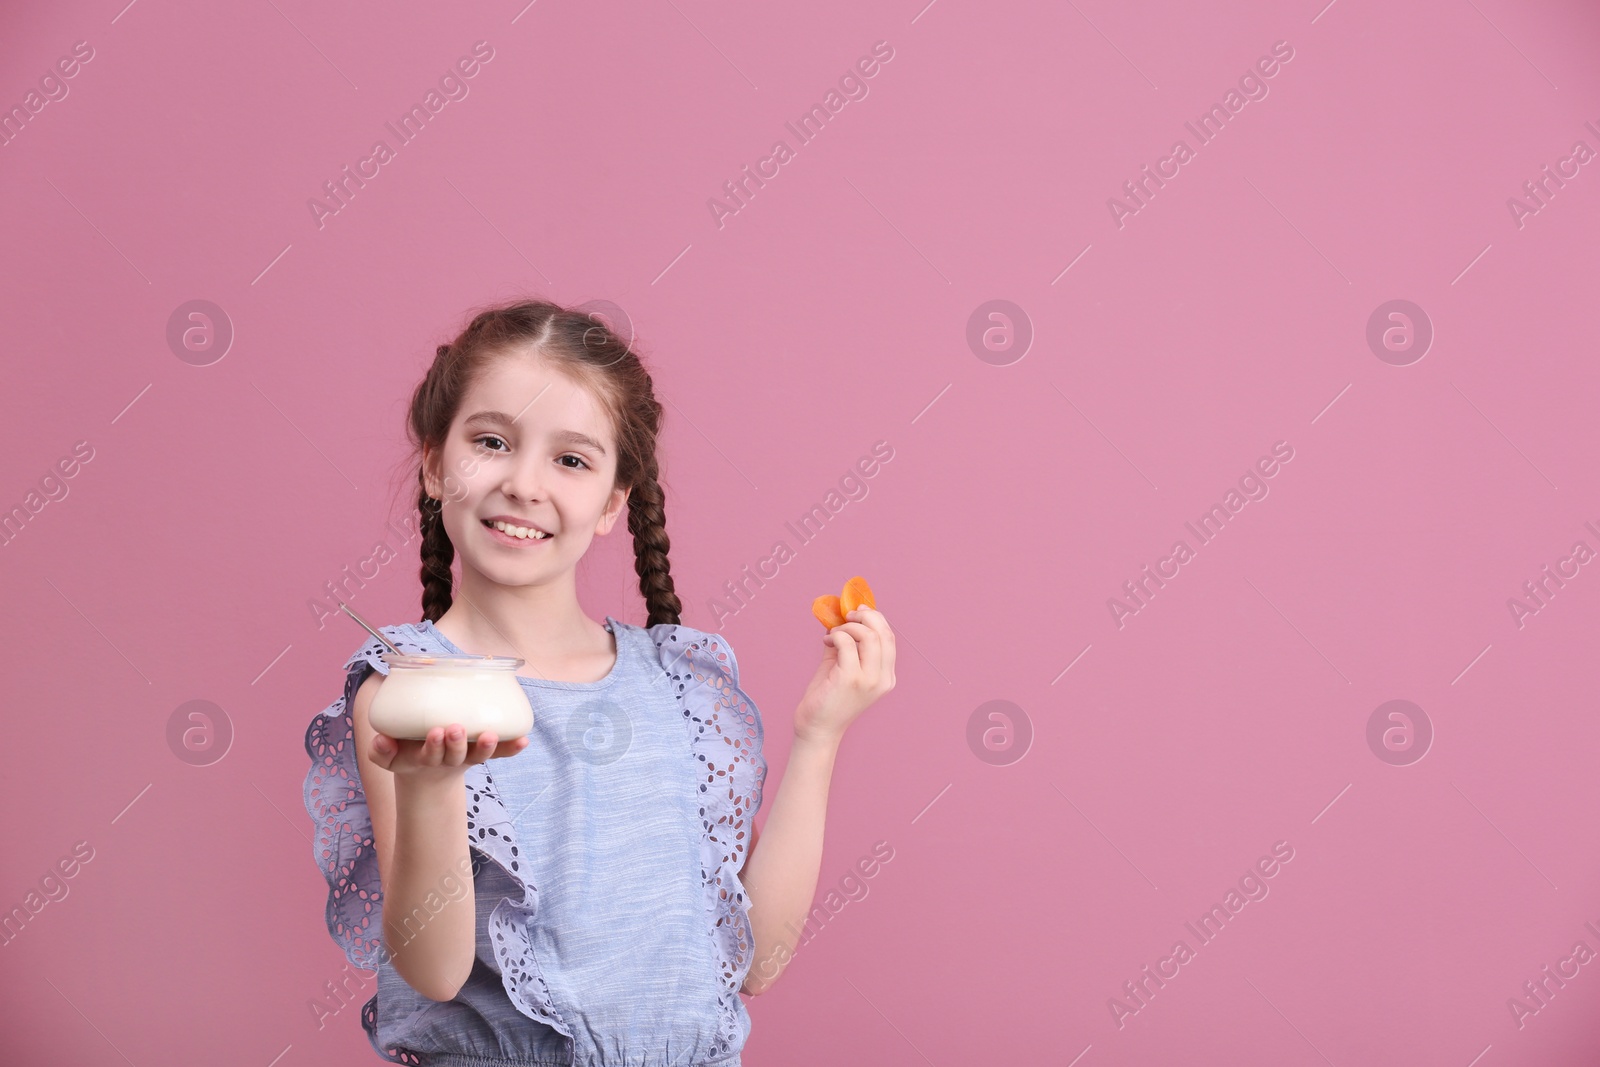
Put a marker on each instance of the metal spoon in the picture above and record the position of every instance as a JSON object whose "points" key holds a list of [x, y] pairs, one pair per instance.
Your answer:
{"points": [[392, 647]]}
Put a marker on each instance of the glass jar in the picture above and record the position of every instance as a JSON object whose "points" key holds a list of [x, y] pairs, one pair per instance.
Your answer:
{"points": [[423, 690]]}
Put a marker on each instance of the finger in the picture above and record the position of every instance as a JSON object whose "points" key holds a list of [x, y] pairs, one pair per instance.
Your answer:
{"points": [[870, 644], [484, 747], [886, 633], [510, 748], [478, 751], [455, 744], [888, 650], [872, 618], [880, 623], [872, 653], [384, 750], [844, 640], [432, 748], [878, 655]]}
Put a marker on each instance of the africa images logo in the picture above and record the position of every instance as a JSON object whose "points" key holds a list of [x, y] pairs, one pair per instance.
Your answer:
{"points": [[1252, 87], [452, 86], [852, 86]]}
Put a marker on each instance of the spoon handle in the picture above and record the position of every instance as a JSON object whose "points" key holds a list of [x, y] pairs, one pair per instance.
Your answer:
{"points": [[392, 647]]}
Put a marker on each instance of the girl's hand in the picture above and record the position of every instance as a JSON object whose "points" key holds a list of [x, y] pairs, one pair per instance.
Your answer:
{"points": [[857, 668], [443, 752]]}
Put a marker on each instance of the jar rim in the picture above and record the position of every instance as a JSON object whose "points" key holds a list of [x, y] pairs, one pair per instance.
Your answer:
{"points": [[443, 659]]}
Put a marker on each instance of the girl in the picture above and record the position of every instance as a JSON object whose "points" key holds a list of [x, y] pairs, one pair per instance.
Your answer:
{"points": [[599, 898]]}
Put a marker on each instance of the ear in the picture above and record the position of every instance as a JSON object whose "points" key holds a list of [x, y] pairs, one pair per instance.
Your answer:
{"points": [[431, 480], [616, 506]]}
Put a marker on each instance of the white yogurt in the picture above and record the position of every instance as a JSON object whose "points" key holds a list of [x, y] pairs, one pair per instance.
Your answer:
{"points": [[479, 692]]}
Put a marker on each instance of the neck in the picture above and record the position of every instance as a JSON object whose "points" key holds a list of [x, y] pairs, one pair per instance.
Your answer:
{"points": [[536, 622]]}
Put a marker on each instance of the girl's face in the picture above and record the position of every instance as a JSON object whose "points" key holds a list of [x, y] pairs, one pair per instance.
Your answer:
{"points": [[532, 447]]}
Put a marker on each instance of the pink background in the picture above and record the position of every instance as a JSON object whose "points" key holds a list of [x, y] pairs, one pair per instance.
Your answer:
{"points": [[829, 313]]}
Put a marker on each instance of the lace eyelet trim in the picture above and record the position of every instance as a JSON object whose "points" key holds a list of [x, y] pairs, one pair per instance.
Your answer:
{"points": [[725, 735]]}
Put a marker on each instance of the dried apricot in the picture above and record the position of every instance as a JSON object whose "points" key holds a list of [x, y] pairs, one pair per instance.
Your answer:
{"points": [[826, 609], [831, 610], [857, 593]]}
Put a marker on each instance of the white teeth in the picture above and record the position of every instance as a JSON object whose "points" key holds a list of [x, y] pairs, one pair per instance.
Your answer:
{"points": [[519, 531]]}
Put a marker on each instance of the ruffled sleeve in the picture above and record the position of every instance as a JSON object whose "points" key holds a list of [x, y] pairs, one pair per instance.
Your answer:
{"points": [[342, 844], [343, 848], [725, 735]]}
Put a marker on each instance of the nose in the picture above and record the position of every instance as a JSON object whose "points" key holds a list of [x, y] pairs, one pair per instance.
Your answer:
{"points": [[525, 478]]}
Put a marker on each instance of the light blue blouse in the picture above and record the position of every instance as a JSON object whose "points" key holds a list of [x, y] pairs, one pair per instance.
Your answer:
{"points": [[613, 929]]}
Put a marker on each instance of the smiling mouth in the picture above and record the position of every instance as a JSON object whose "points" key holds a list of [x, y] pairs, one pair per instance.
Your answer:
{"points": [[520, 533]]}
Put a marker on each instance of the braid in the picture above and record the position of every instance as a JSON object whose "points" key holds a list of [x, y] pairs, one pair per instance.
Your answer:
{"points": [[647, 521], [437, 555]]}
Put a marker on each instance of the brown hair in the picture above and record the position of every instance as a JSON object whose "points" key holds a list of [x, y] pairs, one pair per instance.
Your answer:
{"points": [[577, 342]]}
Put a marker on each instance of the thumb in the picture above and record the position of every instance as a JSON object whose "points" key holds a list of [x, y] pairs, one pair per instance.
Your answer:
{"points": [[384, 750]]}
